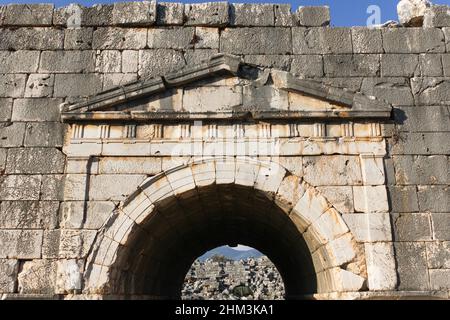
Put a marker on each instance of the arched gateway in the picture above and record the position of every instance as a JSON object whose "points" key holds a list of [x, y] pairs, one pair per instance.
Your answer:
{"points": [[161, 170]]}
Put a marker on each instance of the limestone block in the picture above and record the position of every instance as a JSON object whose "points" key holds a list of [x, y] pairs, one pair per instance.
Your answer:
{"points": [[439, 279], [438, 255], [171, 38], [204, 99], [35, 160], [11, 134], [197, 56], [47, 134], [441, 226], [78, 39], [321, 40], [50, 244], [367, 40], [434, 198], [313, 16], [270, 177], [120, 229], [5, 109], [394, 90], [283, 15], [413, 40], [289, 192], [75, 187], [310, 207], [67, 61], [412, 227], [31, 39], [329, 226], [8, 275], [29, 214], [431, 65], [159, 61], [207, 14], [75, 244], [39, 85], [118, 165], [370, 199], [412, 265], [35, 15], [307, 65], [75, 85], [69, 276], [225, 171], [341, 250], [437, 17], [134, 13], [19, 61], [403, 198], [413, 170], [52, 187], [204, 173], [38, 276], [352, 65], [346, 280], [3, 154], [372, 170], [411, 12], [246, 173], [12, 85], [256, 40], [380, 266], [138, 207], [248, 14], [332, 170], [20, 244], [169, 13], [369, 227], [423, 119], [108, 61], [119, 38], [111, 80], [291, 164], [40, 109], [206, 38], [113, 187], [73, 215], [157, 189], [340, 197], [276, 61], [74, 15], [181, 180], [129, 61], [20, 187], [399, 65]]}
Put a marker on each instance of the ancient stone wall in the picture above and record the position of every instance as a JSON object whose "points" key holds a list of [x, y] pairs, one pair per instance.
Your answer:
{"points": [[50, 56]]}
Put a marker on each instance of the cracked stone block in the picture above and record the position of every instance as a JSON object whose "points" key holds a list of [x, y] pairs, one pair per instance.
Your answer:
{"points": [[438, 254], [318, 16], [441, 226], [8, 275], [281, 62], [332, 170], [69, 276], [39, 86], [36, 109], [370, 199], [380, 266], [75, 244], [412, 266], [44, 134], [108, 61], [114, 187], [283, 15], [421, 170], [340, 197], [396, 91], [206, 38], [169, 13], [97, 213], [412, 226], [369, 227], [431, 65], [413, 40], [37, 276], [437, 17]]}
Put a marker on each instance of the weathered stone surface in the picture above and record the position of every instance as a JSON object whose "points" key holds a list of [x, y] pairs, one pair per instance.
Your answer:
{"points": [[37, 276], [437, 17], [5, 109], [421, 170], [369, 227], [195, 57], [351, 65], [31, 39], [372, 169], [169, 13], [340, 197], [256, 40], [281, 62], [39, 85], [249, 14], [229, 97], [438, 255], [332, 170], [130, 60], [46, 134], [434, 198], [119, 38], [412, 227], [431, 91], [171, 38], [370, 199], [69, 276], [423, 119], [8, 275], [264, 98], [206, 38], [307, 66], [78, 39], [403, 199], [12, 85], [441, 226], [35, 160], [159, 61], [74, 244], [114, 187], [380, 266], [321, 40], [411, 12], [74, 85], [283, 15], [74, 217], [29, 214], [413, 40], [40, 109], [366, 40], [112, 80], [207, 14], [67, 61], [412, 265], [422, 143], [3, 153], [108, 61], [20, 244], [431, 65], [75, 15], [52, 187], [398, 65], [313, 16], [118, 165], [28, 15], [18, 61], [134, 13], [440, 279], [11, 134]]}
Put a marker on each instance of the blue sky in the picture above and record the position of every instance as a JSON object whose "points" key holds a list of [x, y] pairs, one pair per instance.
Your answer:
{"points": [[343, 12]]}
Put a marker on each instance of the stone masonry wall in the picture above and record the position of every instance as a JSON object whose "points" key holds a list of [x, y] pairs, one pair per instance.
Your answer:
{"points": [[53, 55]]}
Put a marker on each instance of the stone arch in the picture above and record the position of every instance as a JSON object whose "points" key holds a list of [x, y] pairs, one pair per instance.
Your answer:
{"points": [[338, 261]]}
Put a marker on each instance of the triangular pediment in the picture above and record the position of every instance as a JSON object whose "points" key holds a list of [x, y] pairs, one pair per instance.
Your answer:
{"points": [[225, 87]]}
